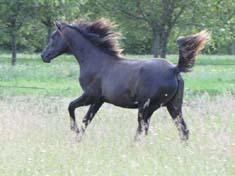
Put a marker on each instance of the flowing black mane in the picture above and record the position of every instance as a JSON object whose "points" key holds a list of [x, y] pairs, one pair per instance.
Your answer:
{"points": [[101, 33]]}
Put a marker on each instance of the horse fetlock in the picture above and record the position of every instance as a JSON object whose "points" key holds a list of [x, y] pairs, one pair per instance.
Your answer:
{"points": [[85, 122], [139, 136], [83, 128], [146, 127], [183, 131], [184, 134], [141, 131], [73, 126]]}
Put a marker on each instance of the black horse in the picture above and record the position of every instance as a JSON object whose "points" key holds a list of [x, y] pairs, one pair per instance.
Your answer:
{"points": [[146, 84]]}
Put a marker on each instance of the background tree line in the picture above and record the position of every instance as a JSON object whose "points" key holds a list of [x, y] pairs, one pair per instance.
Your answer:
{"points": [[148, 26]]}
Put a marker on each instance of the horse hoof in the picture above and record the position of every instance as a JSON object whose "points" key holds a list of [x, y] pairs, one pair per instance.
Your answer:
{"points": [[74, 127], [138, 138], [78, 137]]}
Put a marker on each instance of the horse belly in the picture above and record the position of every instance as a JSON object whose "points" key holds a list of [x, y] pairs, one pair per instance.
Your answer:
{"points": [[120, 97]]}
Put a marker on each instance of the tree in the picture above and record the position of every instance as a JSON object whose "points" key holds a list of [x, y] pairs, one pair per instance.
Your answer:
{"points": [[13, 14], [50, 11], [218, 17], [159, 15]]}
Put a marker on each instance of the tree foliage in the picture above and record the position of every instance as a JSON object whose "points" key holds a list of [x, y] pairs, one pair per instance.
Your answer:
{"points": [[159, 17], [148, 26], [12, 17]]}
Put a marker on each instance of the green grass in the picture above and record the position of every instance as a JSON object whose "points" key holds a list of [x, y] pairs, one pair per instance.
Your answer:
{"points": [[212, 74], [32, 76], [35, 137]]}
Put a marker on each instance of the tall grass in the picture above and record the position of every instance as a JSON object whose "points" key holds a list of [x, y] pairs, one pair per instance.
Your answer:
{"points": [[36, 140]]}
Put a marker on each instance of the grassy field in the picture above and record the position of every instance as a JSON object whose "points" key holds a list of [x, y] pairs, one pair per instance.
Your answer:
{"points": [[35, 138], [212, 74]]}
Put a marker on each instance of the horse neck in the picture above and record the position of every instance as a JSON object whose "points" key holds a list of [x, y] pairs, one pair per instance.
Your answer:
{"points": [[85, 52]]}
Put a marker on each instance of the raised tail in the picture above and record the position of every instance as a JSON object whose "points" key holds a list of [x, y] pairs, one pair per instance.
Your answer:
{"points": [[189, 47]]}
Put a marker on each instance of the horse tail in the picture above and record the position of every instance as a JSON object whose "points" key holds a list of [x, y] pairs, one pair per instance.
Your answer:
{"points": [[189, 47]]}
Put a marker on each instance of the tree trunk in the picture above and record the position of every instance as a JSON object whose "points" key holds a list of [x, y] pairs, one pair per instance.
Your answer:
{"points": [[48, 32], [13, 47], [233, 48], [13, 32], [155, 46], [155, 43], [163, 45], [159, 45], [48, 25]]}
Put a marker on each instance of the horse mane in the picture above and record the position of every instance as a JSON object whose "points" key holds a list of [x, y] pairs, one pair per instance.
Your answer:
{"points": [[102, 34]]}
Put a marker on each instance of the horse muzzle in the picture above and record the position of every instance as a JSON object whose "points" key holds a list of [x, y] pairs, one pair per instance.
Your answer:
{"points": [[45, 58]]}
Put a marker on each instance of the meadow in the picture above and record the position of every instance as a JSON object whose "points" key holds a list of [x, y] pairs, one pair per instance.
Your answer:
{"points": [[35, 137]]}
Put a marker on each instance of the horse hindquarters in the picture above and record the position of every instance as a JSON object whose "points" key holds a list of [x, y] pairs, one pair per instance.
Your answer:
{"points": [[156, 88], [174, 107]]}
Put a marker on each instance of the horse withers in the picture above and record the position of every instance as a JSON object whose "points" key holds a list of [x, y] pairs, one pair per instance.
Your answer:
{"points": [[105, 76]]}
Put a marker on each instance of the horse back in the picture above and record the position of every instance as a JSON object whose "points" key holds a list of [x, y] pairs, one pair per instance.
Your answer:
{"points": [[129, 82]]}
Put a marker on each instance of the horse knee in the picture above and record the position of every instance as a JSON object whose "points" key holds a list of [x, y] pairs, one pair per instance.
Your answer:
{"points": [[71, 107]]}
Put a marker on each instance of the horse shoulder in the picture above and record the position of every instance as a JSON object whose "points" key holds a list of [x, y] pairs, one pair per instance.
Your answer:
{"points": [[91, 84]]}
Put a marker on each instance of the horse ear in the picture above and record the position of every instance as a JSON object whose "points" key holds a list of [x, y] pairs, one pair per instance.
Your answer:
{"points": [[58, 25]]}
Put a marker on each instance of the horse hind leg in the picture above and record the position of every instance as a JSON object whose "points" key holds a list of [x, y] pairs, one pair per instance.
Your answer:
{"points": [[174, 107], [177, 116], [144, 115]]}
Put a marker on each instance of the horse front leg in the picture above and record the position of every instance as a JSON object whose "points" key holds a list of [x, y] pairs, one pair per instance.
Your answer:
{"points": [[90, 114], [80, 101]]}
